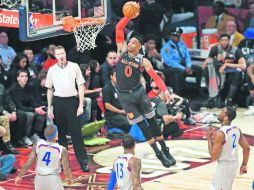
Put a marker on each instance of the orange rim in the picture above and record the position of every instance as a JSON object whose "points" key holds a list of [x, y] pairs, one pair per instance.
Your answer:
{"points": [[71, 23]]}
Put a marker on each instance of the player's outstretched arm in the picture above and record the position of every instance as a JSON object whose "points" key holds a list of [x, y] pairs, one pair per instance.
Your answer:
{"points": [[66, 165], [215, 145], [28, 164], [246, 152], [121, 45], [135, 165], [159, 82]]}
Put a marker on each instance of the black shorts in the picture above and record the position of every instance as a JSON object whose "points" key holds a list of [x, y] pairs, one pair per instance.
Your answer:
{"points": [[136, 104]]}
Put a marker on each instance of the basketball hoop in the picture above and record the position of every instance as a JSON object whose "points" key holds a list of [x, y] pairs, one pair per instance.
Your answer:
{"points": [[85, 30]]}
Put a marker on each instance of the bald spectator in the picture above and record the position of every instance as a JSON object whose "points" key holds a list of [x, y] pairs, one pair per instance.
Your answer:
{"points": [[219, 19], [7, 52], [235, 37], [107, 66]]}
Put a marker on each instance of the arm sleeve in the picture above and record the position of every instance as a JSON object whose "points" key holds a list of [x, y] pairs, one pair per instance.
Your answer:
{"points": [[112, 181], [157, 79], [119, 29]]}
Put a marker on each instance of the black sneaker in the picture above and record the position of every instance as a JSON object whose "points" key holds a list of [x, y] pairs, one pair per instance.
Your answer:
{"points": [[85, 168], [165, 162], [169, 156], [13, 170], [8, 148], [21, 144]]}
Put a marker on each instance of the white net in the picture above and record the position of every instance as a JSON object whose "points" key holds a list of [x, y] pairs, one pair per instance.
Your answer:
{"points": [[10, 4], [86, 35]]}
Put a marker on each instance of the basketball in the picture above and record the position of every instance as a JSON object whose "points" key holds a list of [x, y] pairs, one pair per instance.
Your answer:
{"points": [[131, 9]]}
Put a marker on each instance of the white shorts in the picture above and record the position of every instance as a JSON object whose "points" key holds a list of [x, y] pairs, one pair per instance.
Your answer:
{"points": [[48, 182], [224, 175]]}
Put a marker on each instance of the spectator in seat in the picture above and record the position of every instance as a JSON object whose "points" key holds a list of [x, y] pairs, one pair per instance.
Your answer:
{"points": [[20, 62], [16, 120], [51, 60], [235, 37], [151, 53], [225, 64], [23, 97], [250, 19], [105, 68], [7, 52], [219, 19], [94, 84], [250, 80], [151, 17], [39, 89], [177, 62], [34, 67], [114, 113], [247, 47], [5, 118], [7, 161], [91, 93], [4, 76]]}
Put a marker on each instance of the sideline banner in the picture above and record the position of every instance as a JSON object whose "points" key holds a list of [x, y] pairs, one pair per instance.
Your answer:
{"points": [[10, 19]]}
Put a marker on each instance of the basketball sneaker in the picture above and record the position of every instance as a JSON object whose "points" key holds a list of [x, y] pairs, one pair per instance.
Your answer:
{"points": [[165, 162], [250, 111], [169, 156]]}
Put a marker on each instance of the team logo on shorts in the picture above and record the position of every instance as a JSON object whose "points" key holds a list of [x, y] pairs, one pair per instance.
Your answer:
{"points": [[130, 115], [166, 50]]}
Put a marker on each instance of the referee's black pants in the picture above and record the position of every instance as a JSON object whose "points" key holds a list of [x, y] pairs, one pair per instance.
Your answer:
{"points": [[67, 122]]}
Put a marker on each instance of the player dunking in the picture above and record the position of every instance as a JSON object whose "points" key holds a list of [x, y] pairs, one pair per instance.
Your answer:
{"points": [[132, 94], [224, 148], [49, 156], [127, 168]]}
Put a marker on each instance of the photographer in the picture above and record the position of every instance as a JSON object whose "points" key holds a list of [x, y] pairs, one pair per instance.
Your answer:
{"points": [[180, 104], [225, 64], [166, 119]]}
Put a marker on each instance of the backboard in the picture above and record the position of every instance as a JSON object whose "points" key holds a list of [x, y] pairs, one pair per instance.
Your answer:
{"points": [[39, 19]]}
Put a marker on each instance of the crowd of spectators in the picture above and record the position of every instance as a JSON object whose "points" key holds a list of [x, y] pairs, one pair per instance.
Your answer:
{"points": [[229, 64]]}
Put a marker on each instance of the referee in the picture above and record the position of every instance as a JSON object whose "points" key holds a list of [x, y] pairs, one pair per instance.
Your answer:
{"points": [[61, 82]]}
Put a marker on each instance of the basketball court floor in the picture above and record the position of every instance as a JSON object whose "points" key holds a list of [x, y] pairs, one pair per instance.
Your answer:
{"points": [[193, 170]]}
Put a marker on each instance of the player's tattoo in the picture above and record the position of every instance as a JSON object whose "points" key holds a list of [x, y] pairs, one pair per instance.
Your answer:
{"points": [[135, 165], [29, 162], [65, 163]]}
